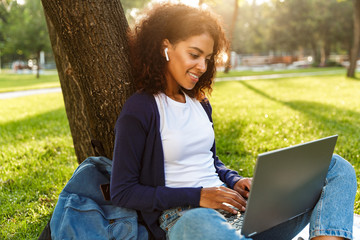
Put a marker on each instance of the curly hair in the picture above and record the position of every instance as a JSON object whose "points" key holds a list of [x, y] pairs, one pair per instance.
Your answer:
{"points": [[175, 22]]}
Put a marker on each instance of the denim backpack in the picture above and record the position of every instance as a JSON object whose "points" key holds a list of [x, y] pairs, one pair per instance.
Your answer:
{"points": [[84, 212]]}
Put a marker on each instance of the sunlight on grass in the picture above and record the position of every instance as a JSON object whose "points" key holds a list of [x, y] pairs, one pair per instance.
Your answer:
{"points": [[17, 82], [36, 160], [250, 117], [235, 73]]}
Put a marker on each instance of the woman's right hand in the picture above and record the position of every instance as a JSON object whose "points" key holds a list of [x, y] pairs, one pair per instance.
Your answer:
{"points": [[215, 197]]}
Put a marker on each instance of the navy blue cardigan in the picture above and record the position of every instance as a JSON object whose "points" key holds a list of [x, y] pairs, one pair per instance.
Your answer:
{"points": [[138, 178]]}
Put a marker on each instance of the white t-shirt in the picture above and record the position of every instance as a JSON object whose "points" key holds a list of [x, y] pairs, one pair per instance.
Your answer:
{"points": [[187, 137]]}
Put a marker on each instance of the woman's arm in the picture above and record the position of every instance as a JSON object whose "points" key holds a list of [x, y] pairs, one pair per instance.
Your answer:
{"points": [[228, 176]]}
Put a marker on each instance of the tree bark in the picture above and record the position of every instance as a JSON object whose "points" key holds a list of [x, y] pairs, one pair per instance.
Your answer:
{"points": [[76, 113], [325, 50], [356, 42], [316, 54], [38, 64], [89, 42]]}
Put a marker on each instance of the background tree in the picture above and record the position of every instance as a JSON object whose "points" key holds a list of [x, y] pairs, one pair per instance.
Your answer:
{"points": [[4, 13], [299, 27], [3, 10], [342, 28], [356, 42], [253, 27], [132, 8], [333, 26], [89, 39], [26, 32], [231, 34], [296, 27]]}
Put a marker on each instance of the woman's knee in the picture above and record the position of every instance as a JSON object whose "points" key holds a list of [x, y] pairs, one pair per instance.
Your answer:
{"points": [[344, 171], [203, 217], [202, 223]]}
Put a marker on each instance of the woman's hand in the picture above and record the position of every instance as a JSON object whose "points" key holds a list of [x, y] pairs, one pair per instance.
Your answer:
{"points": [[215, 197], [243, 187]]}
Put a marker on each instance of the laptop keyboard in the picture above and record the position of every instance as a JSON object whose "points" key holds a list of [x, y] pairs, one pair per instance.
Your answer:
{"points": [[236, 220]]}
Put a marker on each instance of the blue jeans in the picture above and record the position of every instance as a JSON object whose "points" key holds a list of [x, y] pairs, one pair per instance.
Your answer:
{"points": [[332, 215]]}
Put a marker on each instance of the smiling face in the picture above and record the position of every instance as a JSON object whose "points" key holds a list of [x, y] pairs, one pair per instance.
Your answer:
{"points": [[187, 61]]}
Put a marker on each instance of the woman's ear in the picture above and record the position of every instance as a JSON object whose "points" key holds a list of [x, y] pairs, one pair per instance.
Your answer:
{"points": [[165, 48]]}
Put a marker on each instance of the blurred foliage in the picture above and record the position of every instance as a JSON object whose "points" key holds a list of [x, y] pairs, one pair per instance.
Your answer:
{"points": [[279, 27], [285, 26], [132, 8], [23, 32]]}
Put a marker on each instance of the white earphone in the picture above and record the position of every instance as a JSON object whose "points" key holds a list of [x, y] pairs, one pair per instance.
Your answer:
{"points": [[166, 54]]}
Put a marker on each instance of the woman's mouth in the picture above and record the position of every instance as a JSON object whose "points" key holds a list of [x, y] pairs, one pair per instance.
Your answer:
{"points": [[194, 77]]}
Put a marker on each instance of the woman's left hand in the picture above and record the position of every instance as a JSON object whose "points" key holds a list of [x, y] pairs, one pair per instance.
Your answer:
{"points": [[243, 186]]}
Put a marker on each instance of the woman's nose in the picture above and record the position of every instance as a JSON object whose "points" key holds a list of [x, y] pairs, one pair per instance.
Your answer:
{"points": [[202, 65]]}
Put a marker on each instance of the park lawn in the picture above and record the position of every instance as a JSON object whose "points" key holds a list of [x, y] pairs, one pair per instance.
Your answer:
{"points": [[250, 117], [234, 73], [36, 160], [10, 82]]}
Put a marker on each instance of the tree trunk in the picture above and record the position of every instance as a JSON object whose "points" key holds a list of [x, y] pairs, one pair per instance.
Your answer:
{"points": [[231, 34], [38, 64], [356, 44], [76, 113], [325, 51], [322, 55], [316, 54], [89, 43]]}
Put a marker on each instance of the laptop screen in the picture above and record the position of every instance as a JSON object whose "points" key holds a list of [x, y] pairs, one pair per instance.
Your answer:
{"points": [[287, 183]]}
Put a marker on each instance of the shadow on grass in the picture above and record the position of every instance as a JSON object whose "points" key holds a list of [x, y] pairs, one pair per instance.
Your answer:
{"points": [[353, 78], [37, 127], [230, 146], [330, 119]]}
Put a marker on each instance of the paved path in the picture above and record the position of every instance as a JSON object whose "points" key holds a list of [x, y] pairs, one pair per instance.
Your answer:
{"points": [[15, 94]]}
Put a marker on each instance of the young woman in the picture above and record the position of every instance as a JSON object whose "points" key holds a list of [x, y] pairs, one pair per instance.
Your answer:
{"points": [[165, 165]]}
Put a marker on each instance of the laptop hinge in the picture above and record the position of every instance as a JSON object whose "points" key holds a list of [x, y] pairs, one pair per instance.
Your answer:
{"points": [[252, 234], [307, 210]]}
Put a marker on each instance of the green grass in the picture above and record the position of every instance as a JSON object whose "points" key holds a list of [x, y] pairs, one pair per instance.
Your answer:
{"points": [[16, 82], [268, 72], [250, 117], [36, 160]]}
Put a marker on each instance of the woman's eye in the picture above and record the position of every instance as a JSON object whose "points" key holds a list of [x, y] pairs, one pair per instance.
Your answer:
{"points": [[194, 55]]}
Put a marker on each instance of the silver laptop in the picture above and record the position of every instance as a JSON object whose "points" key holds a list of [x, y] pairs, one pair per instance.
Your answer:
{"points": [[287, 183]]}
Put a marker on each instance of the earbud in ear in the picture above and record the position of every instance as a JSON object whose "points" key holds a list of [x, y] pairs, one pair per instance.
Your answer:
{"points": [[166, 54]]}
